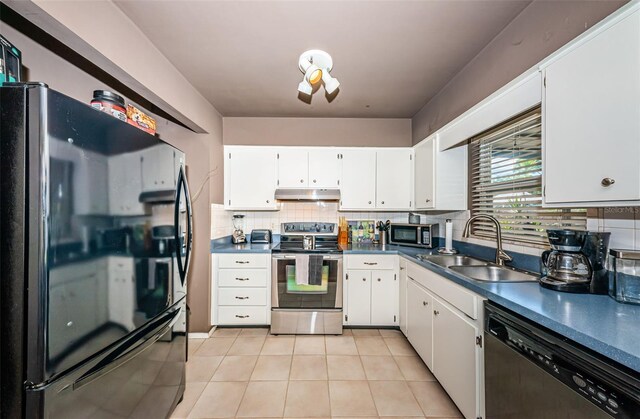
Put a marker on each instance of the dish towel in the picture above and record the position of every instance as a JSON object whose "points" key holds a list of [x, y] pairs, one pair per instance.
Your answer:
{"points": [[302, 269], [315, 269]]}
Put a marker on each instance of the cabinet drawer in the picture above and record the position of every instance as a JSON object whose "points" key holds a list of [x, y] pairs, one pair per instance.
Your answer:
{"points": [[242, 296], [372, 261], [242, 278], [242, 315], [243, 260], [454, 294]]}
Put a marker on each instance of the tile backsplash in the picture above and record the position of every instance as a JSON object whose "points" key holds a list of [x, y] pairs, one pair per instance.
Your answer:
{"points": [[622, 222], [221, 224]]}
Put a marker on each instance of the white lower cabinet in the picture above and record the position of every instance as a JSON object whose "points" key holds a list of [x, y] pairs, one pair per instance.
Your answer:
{"points": [[445, 328], [456, 357], [419, 321], [121, 291], [370, 296], [241, 289]]}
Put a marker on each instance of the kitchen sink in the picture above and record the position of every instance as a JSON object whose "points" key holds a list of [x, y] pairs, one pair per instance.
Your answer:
{"points": [[452, 260], [493, 273]]}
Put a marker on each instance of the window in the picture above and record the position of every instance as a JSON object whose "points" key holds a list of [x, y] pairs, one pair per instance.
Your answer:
{"points": [[506, 182]]}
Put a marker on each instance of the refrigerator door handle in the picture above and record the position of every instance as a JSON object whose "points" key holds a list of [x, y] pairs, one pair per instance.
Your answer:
{"points": [[182, 266], [136, 344], [187, 195]]}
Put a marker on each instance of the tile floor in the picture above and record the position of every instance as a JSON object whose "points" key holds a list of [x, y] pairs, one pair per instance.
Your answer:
{"points": [[364, 373]]}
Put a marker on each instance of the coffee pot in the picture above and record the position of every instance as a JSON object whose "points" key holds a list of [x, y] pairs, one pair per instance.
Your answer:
{"points": [[576, 262]]}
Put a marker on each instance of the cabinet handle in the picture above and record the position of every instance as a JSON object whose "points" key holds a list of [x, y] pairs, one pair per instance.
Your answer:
{"points": [[606, 182], [242, 279], [240, 316], [69, 324], [401, 268], [424, 303], [242, 262], [436, 312], [242, 298], [427, 200], [379, 279], [371, 263]]}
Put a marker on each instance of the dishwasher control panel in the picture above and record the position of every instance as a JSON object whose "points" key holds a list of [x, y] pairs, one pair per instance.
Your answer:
{"points": [[545, 356]]}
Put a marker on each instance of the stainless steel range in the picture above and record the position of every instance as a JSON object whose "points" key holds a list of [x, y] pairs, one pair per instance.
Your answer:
{"points": [[306, 291]]}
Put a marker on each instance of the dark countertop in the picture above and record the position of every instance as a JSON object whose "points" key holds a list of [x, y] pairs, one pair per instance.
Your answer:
{"points": [[597, 322]]}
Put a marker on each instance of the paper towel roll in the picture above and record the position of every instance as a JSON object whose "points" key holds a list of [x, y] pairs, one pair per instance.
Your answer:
{"points": [[448, 235]]}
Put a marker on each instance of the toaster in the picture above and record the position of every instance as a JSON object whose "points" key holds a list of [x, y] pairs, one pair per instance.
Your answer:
{"points": [[260, 236]]}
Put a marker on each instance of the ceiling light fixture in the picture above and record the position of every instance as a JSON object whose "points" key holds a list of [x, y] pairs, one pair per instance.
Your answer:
{"points": [[316, 65]]}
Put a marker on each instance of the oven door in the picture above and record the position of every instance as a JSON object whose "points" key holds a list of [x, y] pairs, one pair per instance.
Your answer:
{"points": [[286, 293]]}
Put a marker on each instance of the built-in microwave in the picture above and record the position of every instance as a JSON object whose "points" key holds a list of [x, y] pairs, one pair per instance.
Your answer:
{"points": [[419, 235]]}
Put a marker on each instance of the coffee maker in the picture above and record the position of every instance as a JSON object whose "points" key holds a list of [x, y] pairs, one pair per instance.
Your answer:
{"points": [[576, 262]]}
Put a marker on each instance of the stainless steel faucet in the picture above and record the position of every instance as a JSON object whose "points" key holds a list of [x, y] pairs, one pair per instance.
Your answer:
{"points": [[501, 256]]}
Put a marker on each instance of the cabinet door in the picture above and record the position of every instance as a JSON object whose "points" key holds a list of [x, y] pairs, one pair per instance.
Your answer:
{"points": [[384, 298], [358, 185], [425, 174], [359, 297], [83, 297], [121, 298], [402, 293], [60, 326], [394, 179], [90, 178], [324, 168], [591, 110], [250, 178], [125, 184], [419, 321], [455, 357], [293, 168], [156, 164]]}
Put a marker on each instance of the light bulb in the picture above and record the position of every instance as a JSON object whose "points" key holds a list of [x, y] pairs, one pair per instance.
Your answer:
{"points": [[313, 74]]}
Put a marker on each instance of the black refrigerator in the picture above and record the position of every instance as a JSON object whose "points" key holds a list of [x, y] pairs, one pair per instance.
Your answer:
{"points": [[95, 242]]}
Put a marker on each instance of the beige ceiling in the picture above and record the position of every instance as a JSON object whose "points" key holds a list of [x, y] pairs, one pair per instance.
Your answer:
{"points": [[391, 57]]}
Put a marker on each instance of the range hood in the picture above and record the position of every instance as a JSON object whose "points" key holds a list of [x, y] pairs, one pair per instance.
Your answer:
{"points": [[167, 196], [308, 194]]}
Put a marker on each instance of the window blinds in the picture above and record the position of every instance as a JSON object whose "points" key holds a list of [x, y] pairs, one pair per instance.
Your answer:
{"points": [[506, 182]]}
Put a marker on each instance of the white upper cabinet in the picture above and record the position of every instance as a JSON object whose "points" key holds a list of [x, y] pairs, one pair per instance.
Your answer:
{"points": [[394, 179], [125, 184], [293, 167], [324, 168], [440, 176], [317, 167], [591, 119], [358, 185], [155, 177], [250, 178], [425, 170]]}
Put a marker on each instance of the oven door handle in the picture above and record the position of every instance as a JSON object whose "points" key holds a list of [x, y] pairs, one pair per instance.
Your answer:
{"points": [[293, 257]]}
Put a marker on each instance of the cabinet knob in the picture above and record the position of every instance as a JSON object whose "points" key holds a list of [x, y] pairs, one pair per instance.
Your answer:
{"points": [[382, 202], [267, 201], [424, 303], [436, 312], [607, 182], [301, 180], [314, 181], [69, 324], [369, 202], [379, 279], [364, 279], [427, 200]]}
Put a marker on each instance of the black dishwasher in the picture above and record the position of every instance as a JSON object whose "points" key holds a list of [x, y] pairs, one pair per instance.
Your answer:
{"points": [[531, 372]]}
